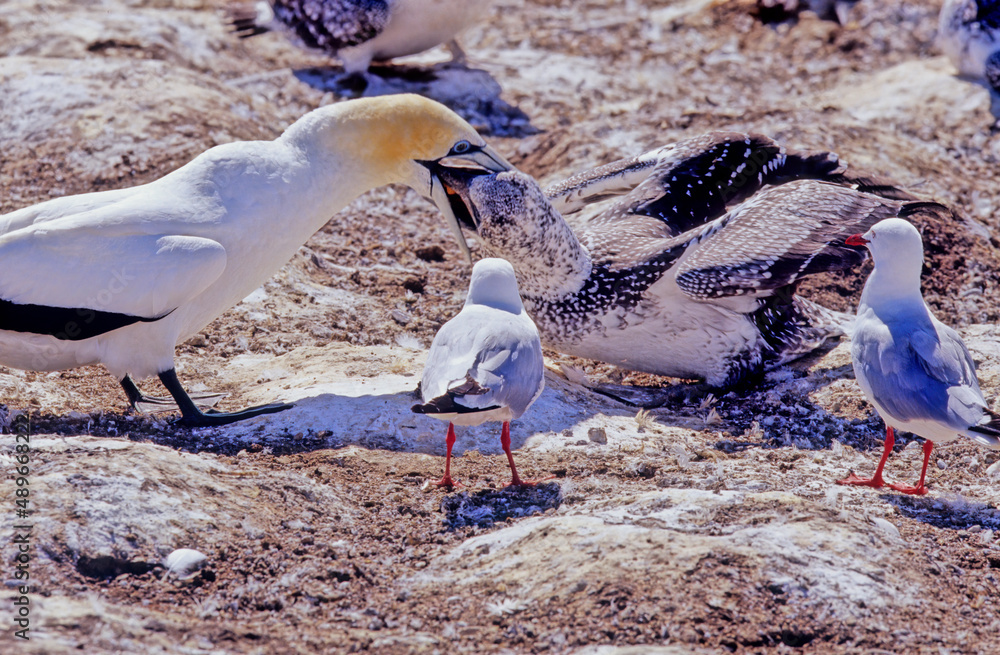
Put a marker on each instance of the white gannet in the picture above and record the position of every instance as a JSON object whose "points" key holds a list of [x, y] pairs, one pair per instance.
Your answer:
{"points": [[969, 34], [360, 31], [913, 368], [485, 364], [660, 282], [120, 277]]}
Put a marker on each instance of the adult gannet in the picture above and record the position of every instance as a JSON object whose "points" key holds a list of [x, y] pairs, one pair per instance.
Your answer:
{"points": [[659, 282], [120, 277], [913, 368], [485, 364], [360, 31]]}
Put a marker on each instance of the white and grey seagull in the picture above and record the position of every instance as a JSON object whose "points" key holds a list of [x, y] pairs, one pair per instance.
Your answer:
{"points": [[969, 34], [665, 280], [121, 277], [360, 31], [485, 364], [914, 369]]}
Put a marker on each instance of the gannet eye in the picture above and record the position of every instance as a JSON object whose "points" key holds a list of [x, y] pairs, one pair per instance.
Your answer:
{"points": [[461, 148]]}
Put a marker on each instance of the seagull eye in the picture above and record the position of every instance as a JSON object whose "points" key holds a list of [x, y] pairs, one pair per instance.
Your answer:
{"points": [[461, 148]]}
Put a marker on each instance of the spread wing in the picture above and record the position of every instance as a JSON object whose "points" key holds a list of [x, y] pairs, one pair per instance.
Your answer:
{"points": [[781, 235], [688, 183]]}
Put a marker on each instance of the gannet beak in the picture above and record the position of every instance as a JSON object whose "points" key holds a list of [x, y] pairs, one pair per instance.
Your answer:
{"points": [[441, 197], [449, 187], [489, 159], [856, 240]]}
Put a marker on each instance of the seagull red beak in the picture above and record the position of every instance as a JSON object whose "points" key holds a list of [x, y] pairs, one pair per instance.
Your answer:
{"points": [[856, 240]]}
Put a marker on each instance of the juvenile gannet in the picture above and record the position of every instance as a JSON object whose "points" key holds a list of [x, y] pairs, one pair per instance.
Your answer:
{"points": [[485, 364], [914, 370], [360, 31], [657, 282], [120, 277], [969, 34]]}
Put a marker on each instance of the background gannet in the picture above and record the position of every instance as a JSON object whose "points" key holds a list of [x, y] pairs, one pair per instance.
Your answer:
{"points": [[360, 31], [914, 369], [969, 33], [657, 283], [120, 277], [485, 364]]}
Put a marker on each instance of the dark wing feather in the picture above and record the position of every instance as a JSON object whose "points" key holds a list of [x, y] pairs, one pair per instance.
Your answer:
{"points": [[695, 180], [784, 234], [331, 25], [445, 404]]}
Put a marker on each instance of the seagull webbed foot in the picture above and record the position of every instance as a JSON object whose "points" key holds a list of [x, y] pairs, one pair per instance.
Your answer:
{"points": [[919, 490], [447, 481], [875, 481]]}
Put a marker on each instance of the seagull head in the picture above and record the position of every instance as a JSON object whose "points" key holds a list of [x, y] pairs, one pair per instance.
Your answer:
{"points": [[493, 284], [897, 251], [893, 238]]}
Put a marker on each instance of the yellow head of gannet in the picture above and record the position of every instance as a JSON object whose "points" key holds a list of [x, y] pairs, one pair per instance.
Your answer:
{"points": [[403, 139]]}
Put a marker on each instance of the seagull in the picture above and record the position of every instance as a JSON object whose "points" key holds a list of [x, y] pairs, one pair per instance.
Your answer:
{"points": [[665, 281], [359, 31], [913, 368], [485, 364], [120, 277], [969, 33]]}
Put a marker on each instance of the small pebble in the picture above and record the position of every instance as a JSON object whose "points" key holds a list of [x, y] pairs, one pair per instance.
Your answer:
{"points": [[598, 435], [941, 464], [886, 526], [185, 563]]}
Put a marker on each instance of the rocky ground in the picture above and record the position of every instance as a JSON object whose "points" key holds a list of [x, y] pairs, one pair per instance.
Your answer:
{"points": [[705, 524]]}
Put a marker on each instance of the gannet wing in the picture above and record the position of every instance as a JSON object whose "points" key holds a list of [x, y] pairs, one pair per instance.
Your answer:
{"points": [[688, 183], [93, 283], [781, 235]]}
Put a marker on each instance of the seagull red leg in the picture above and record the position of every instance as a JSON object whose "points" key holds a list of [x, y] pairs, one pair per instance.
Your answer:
{"points": [[920, 489], [447, 481], [876, 480], [515, 480]]}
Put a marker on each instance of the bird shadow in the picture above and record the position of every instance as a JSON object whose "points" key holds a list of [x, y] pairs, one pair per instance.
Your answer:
{"points": [[471, 92], [324, 420], [951, 512], [488, 506]]}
